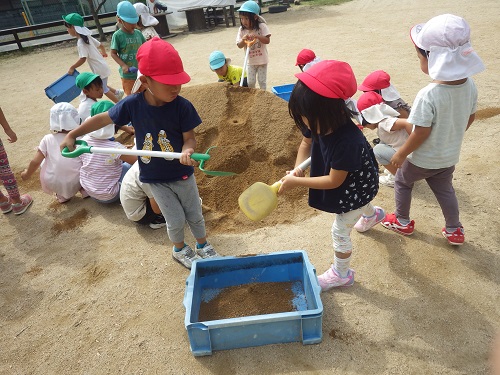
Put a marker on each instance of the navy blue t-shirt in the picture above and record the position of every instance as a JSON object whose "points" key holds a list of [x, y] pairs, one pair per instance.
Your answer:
{"points": [[346, 150], [158, 129]]}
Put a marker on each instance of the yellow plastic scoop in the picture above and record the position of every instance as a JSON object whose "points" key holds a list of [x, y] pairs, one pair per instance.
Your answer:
{"points": [[260, 199]]}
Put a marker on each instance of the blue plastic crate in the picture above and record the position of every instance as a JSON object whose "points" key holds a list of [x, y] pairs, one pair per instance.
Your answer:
{"points": [[64, 89], [283, 91], [210, 276]]}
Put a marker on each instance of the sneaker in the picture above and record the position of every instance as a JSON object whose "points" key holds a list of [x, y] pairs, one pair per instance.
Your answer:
{"points": [[20, 208], [207, 251], [158, 222], [331, 279], [119, 94], [387, 180], [186, 256], [391, 222], [6, 206], [366, 222], [454, 238]]}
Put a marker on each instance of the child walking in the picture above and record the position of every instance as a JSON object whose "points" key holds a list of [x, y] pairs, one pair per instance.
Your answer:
{"points": [[254, 28], [166, 121], [92, 51], [125, 43], [225, 71], [101, 174], [441, 113], [146, 21], [58, 175], [14, 201], [391, 130], [344, 173]]}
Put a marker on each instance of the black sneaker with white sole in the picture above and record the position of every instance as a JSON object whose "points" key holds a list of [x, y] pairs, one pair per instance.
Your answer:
{"points": [[157, 222]]}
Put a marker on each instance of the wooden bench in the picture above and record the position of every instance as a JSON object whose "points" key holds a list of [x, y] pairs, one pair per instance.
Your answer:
{"points": [[195, 17], [218, 14], [162, 27]]}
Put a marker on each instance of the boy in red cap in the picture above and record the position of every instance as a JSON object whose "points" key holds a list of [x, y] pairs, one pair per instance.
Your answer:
{"points": [[166, 121], [306, 58], [344, 173], [441, 113]]}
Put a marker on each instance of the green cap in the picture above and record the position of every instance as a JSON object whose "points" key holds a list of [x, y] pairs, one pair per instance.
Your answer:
{"points": [[84, 79], [73, 19], [100, 107]]}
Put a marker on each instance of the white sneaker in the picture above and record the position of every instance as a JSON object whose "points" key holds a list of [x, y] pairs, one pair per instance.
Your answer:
{"points": [[387, 180], [186, 256], [364, 223], [207, 251]]}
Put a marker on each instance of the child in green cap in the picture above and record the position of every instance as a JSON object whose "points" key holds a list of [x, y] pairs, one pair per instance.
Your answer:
{"points": [[92, 51]]}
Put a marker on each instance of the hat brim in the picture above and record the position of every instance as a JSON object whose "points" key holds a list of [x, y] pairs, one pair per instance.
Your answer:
{"points": [[82, 30], [414, 35], [315, 85], [130, 20], [137, 83], [365, 87], [148, 20], [173, 79]]}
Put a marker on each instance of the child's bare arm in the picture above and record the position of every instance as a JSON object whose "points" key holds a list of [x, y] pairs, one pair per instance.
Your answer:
{"points": [[11, 135], [131, 159], [188, 147], [402, 123], [114, 55], [471, 120], [33, 166], [80, 62], [331, 181], [103, 51], [89, 125], [416, 138]]}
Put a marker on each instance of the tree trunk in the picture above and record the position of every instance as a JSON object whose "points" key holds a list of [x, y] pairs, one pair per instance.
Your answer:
{"points": [[94, 11]]}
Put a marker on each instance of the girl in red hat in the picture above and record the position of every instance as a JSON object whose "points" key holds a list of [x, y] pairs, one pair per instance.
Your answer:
{"points": [[344, 173]]}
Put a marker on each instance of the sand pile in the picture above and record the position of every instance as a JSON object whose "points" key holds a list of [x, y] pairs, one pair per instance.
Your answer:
{"points": [[256, 138]]}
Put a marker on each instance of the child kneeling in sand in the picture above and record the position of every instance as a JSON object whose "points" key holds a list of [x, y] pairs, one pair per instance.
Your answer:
{"points": [[163, 118], [58, 175], [225, 71]]}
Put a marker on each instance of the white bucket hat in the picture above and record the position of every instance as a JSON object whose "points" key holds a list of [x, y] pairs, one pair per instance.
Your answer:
{"points": [[104, 133], [447, 39], [143, 12], [390, 93], [372, 107], [82, 30], [63, 116]]}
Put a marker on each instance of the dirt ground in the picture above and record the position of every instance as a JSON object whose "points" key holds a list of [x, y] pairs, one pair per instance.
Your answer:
{"points": [[85, 291]]}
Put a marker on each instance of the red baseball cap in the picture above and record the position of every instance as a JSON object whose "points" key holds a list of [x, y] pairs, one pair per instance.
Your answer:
{"points": [[376, 80], [330, 78], [368, 99], [159, 60], [305, 56]]}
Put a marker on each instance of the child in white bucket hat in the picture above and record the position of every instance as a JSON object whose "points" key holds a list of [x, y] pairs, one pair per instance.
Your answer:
{"points": [[146, 21], [441, 113], [58, 175]]}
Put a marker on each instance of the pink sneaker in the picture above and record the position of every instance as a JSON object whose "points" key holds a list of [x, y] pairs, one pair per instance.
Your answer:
{"points": [[331, 279], [6, 206], [391, 222], [454, 238], [364, 223], [20, 208]]}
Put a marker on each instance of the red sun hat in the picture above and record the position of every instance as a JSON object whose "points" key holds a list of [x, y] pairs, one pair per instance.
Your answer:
{"points": [[369, 99], [376, 80], [305, 56], [330, 78], [159, 60]]}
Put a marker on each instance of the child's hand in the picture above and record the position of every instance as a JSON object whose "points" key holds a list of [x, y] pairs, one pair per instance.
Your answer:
{"points": [[71, 71], [104, 54], [68, 142], [24, 175], [186, 157], [296, 172], [288, 182], [11, 135], [125, 68], [397, 160]]}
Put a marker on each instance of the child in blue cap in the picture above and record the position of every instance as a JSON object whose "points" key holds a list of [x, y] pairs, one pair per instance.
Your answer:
{"points": [[125, 43], [225, 71]]}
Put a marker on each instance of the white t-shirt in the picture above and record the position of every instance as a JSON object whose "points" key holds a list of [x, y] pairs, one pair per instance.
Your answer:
{"points": [[133, 194], [258, 52], [393, 138], [445, 108], [85, 106], [58, 174], [90, 51]]}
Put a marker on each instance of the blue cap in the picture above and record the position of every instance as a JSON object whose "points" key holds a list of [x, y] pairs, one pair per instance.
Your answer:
{"points": [[250, 7], [217, 60], [127, 12]]}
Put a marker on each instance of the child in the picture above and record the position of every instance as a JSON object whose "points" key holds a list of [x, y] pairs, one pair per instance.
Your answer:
{"points": [[392, 131], [305, 59], [137, 200], [158, 6], [88, 51], [146, 21], [101, 174], [226, 72], [58, 175], [344, 173], [13, 201], [92, 89], [159, 112], [380, 82], [253, 27], [441, 113], [125, 42]]}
